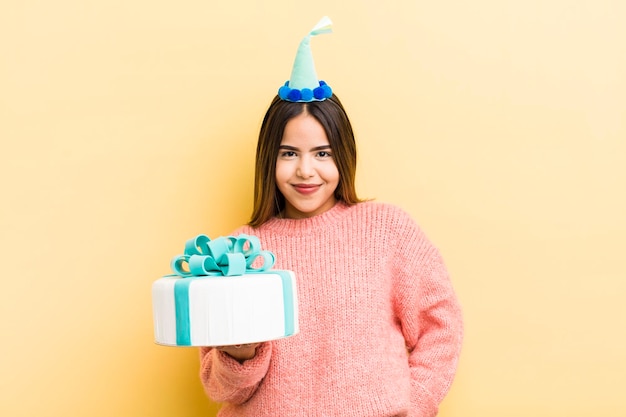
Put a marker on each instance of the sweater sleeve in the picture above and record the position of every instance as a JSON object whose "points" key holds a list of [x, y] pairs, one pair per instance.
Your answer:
{"points": [[430, 316], [226, 380]]}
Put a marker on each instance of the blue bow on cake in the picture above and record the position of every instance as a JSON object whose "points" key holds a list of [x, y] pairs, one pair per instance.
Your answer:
{"points": [[223, 256]]}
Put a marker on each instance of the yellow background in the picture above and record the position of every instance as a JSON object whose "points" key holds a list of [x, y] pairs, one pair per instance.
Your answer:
{"points": [[128, 127]]}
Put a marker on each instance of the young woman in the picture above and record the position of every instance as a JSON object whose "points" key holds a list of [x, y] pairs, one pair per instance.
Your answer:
{"points": [[380, 325]]}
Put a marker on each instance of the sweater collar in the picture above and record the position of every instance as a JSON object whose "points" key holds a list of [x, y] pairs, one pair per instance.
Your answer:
{"points": [[329, 217]]}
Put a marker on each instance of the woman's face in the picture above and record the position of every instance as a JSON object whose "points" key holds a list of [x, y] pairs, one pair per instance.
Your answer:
{"points": [[306, 173]]}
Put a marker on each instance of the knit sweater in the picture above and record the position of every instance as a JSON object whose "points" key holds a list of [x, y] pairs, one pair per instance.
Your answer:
{"points": [[380, 325]]}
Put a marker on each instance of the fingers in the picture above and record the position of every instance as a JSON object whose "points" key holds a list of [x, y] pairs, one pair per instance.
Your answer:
{"points": [[241, 352], [245, 345]]}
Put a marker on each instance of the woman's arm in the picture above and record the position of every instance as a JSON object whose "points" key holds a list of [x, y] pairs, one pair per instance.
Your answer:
{"points": [[434, 353], [227, 379], [431, 320]]}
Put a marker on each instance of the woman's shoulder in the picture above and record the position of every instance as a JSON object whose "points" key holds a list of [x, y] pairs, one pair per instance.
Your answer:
{"points": [[386, 217], [393, 223], [383, 210]]}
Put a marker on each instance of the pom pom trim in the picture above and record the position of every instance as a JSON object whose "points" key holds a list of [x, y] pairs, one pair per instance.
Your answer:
{"points": [[306, 94]]}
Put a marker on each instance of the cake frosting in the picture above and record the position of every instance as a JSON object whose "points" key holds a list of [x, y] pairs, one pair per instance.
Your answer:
{"points": [[224, 292]]}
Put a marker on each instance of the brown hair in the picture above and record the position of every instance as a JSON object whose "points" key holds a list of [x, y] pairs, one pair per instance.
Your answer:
{"points": [[268, 201]]}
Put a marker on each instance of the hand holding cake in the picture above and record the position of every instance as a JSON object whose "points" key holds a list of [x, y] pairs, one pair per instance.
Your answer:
{"points": [[240, 352]]}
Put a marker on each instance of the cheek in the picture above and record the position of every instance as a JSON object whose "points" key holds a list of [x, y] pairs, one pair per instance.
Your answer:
{"points": [[331, 173], [282, 172]]}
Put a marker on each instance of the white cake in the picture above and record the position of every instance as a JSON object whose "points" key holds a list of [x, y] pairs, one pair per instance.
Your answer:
{"points": [[215, 310]]}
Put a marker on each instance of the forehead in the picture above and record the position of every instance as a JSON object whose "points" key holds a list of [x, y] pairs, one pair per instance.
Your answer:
{"points": [[302, 130]]}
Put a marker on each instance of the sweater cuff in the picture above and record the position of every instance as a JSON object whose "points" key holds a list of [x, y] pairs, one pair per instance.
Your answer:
{"points": [[232, 373]]}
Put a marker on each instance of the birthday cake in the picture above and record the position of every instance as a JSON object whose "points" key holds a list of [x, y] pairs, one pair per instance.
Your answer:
{"points": [[218, 296]]}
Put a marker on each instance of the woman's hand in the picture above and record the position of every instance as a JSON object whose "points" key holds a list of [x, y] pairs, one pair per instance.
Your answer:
{"points": [[240, 352]]}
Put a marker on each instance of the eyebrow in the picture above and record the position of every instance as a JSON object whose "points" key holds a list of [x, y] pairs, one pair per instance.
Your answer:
{"points": [[293, 148]]}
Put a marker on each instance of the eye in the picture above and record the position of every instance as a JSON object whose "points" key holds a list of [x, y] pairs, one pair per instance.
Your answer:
{"points": [[324, 154], [287, 154]]}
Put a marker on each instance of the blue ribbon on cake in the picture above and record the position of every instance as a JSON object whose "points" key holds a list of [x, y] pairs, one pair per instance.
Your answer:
{"points": [[223, 256]]}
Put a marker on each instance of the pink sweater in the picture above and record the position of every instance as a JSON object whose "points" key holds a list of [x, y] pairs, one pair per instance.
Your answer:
{"points": [[371, 288]]}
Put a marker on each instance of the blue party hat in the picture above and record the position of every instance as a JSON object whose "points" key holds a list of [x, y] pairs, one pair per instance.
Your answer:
{"points": [[303, 85]]}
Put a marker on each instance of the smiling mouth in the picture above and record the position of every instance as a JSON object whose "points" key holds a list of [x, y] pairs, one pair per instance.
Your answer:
{"points": [[306, 188]]}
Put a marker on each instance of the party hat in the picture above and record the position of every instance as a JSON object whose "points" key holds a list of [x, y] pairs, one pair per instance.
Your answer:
{"points": [[304, 86]]}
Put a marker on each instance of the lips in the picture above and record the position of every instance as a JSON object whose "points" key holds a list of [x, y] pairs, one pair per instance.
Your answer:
{"points": [[306, 188]]}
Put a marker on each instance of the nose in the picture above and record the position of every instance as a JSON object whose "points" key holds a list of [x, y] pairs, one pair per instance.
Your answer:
{"points": [[305, 167]]}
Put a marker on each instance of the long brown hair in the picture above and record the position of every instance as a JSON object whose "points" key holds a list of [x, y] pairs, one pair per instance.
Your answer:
{"points": [[268, 200]]}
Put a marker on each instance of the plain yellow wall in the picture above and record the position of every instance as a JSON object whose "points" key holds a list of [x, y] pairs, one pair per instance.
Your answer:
{"points": [[128, 127]]}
